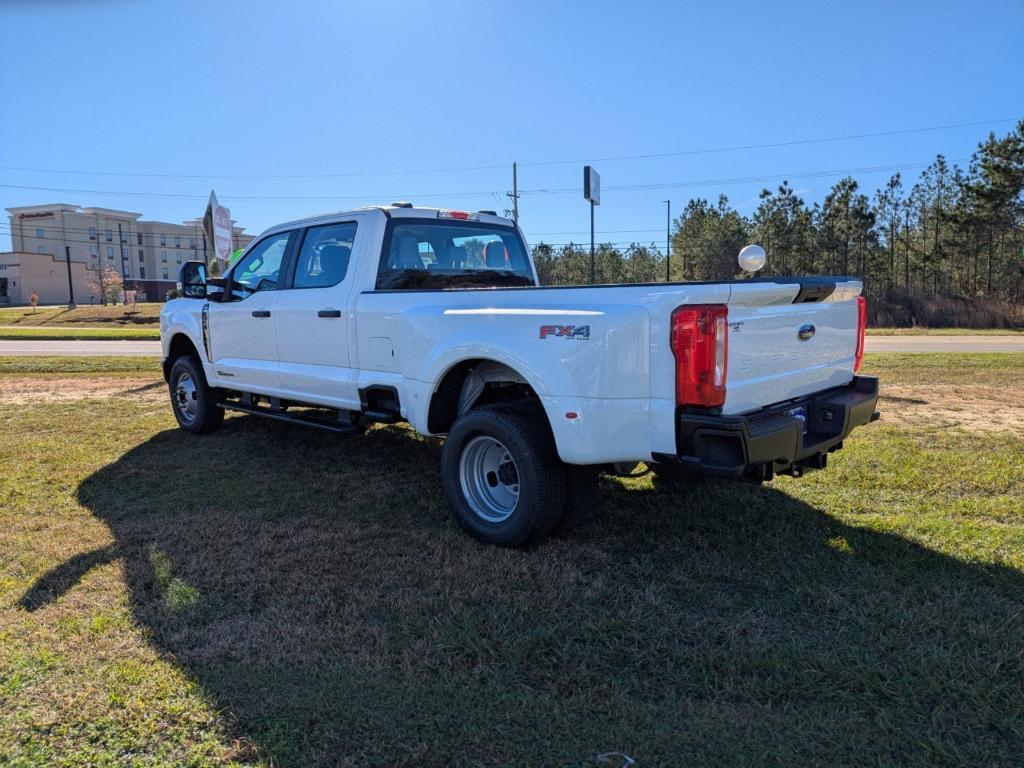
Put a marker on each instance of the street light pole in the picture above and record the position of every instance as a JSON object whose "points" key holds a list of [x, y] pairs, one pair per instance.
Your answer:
{"points": [[668, 241]]}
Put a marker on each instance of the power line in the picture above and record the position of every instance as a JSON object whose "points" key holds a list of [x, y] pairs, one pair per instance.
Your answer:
{"points": [[539, 191], [744, 180], [538, 163], [247, 198]]}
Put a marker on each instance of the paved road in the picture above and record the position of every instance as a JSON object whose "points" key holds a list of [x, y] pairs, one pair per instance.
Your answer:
{"points": [[81, 348], [875, 344], [946, 343]]}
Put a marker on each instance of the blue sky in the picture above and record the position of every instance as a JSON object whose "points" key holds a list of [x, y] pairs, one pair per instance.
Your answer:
{"points": [[377, 101]]}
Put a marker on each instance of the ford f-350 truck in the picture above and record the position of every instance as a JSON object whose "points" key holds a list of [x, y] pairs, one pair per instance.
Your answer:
{"points": [[436, 318]]}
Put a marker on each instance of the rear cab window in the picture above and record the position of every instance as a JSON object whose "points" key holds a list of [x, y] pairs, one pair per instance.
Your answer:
{"points": [[421, 253]]}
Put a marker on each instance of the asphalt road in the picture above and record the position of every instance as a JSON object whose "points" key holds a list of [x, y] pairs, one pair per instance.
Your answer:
{"points": [[875, 344], [81, 348]]}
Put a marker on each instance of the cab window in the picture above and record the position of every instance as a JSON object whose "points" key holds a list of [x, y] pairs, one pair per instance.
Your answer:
{"points": [[260, 268], [324, 256]]}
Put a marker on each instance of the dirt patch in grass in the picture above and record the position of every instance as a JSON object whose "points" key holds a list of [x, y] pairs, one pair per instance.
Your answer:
{"points": [[977, 409], [19, 390]]}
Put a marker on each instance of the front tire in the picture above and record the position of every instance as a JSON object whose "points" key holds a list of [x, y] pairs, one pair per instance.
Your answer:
{"points": [[193, 400], [502, 475]]}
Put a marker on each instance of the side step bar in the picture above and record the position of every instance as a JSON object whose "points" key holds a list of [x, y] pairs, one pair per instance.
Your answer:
{"points": [[281, 415]]}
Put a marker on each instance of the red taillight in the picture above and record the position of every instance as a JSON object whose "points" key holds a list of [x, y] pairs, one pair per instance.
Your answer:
{"points": [[862, 324], [700, 343]]}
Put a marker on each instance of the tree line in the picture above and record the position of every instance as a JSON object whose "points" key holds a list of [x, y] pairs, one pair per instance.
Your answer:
{"points": [[952, 241]]}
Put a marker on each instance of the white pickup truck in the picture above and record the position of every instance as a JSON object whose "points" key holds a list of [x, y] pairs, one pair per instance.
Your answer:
{"points": [[436, 318]]}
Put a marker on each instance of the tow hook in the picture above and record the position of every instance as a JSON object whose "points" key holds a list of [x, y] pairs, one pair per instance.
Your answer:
{"points": [[796, 469]]}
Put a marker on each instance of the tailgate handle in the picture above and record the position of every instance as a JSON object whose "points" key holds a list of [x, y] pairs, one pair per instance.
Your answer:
{"points": [[329, 313], [261, 313], [814, 291]]}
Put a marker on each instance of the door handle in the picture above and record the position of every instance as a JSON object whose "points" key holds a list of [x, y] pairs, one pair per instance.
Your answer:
{"points": [[329, 313], [261, 313]]}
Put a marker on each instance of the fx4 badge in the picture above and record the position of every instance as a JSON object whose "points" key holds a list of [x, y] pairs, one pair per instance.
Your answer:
{"points": [[578, 332]]}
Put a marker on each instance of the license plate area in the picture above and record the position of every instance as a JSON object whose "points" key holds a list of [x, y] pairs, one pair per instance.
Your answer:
{"points": [[799, 412]]}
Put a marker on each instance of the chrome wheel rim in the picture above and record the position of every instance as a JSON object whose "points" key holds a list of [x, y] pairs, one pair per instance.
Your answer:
{"points": [[489, 478], [186, 398]]}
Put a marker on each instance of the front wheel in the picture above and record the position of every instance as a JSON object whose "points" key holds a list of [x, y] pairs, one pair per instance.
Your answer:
{"points": [[193, 400], [502, 475]]}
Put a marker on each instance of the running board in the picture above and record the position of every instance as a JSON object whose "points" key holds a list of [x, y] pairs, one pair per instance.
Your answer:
{"points": [[280, 415]]}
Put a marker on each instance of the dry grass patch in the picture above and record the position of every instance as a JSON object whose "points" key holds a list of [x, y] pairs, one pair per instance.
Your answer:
{"points": [[87, 315]]}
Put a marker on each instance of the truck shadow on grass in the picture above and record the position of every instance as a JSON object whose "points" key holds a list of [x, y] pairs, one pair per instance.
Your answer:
{"points": [[317, 590]]}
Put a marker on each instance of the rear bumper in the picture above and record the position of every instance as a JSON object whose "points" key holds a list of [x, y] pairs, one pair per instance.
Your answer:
{"points": [[773, 439]]}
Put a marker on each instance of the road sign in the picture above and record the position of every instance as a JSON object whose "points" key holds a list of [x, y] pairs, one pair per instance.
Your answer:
{"points": [[217, 222], [591, 185]]}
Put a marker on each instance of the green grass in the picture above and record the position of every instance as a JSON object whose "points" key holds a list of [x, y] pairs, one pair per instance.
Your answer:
{"points": [[62, 332], [997, 369], [279, 596], [83, 315], [28, 365], [944, 331]]}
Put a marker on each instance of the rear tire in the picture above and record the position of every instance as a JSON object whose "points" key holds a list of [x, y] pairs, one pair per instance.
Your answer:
{"points": [[502, 475], [193, 400]]}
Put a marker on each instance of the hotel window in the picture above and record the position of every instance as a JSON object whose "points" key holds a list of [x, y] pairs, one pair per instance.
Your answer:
{"points": [[142, 272], [124, 237], [163, 239], [138, 235], [39, 232], [177, 242], [179, 258], [165, 274], [92, 233], [124, 254], [92, 251], [110, 252], [192, 243], [110, 236], [140, 254], [163, 256]]}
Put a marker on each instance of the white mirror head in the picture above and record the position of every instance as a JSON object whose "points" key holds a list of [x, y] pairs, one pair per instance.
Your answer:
{"points": [[752, 258]]}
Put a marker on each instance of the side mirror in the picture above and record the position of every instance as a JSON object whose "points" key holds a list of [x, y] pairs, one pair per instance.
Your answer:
{"points": [[192, 280]]}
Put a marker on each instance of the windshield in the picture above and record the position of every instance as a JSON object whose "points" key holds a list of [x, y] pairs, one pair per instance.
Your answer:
{"points": [[424, 253]]}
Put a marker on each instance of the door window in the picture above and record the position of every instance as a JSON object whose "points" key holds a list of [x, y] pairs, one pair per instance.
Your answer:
{"points": [[260, 268], [326, 251]]}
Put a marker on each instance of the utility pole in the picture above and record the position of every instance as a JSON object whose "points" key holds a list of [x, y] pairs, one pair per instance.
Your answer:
{"points": [[668, 241], [71, 287], [122, 244], [514, 194]]}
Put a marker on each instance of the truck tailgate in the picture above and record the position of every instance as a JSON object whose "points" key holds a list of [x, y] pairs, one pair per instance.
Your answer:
{"points": [[780, 350]]}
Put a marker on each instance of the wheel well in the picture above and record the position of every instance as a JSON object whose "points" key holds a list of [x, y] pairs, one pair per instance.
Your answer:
{"points": [[474, 382], [181, 345]]}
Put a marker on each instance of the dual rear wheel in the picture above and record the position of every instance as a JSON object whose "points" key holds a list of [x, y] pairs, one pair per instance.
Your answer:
{"points": [[504, 480]]}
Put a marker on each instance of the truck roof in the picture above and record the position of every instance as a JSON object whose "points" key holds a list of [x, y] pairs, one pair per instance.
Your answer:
{"points": [[394, 210]]}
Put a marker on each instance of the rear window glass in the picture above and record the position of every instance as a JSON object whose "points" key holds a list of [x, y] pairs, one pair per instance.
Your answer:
{"points": [[423, 253]]}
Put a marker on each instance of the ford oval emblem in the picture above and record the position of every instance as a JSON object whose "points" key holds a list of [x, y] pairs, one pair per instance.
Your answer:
{"points": [[806, 331]]}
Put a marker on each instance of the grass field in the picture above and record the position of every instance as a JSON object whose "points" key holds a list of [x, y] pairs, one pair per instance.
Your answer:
{"points": [[98, 316], [944, 331], [63, 332], [269, 595]]}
